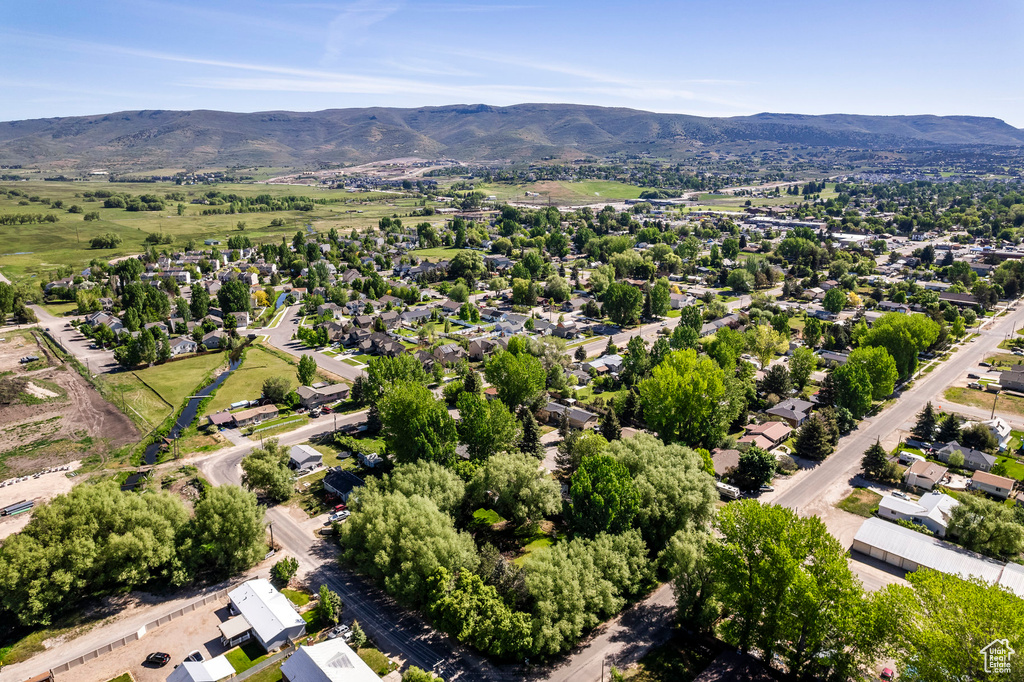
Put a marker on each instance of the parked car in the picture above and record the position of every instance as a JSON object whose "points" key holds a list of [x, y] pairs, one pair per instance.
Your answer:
{"points": [[340, 516], [339, 631], [767, 488], [901, 495], [985, 364], [158, 659], [196, 656], [887, 674], [972, 375]]}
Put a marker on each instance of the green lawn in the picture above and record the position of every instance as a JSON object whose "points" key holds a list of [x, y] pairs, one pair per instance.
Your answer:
{"points": [[246, 382], [862, 502], [269, 674], [246, 656], [486, 517], [60, 309], [434, 255], [297, 597], [123, 677], [280, 425], [175, 381], [377, 661], [1014, 469], [1004, 403]]}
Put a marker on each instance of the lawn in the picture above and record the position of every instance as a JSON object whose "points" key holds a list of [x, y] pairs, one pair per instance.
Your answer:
{"points": [[123, 677], [1014, 469], [279, 425], [486, 517], [681, 659], [435, 254], [60, 309], [563, 192], [270, 674], [1004, 403], [175, 381], [297, 597], [377, 661], [862, 502], [246, 382], [246, 656]]}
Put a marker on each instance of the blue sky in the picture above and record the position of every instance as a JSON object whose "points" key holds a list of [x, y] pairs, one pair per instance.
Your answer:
{"points": [[719, 58]]}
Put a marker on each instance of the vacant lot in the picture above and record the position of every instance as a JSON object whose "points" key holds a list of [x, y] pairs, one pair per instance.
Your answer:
{"points": [[246, 382], [862, 502], [1006, 404]]}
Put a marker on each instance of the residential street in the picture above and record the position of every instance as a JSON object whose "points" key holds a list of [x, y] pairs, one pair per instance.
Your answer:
{"points": [[280, 337]]}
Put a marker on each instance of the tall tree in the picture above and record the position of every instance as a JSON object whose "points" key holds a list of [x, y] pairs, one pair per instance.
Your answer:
{"points": [[518, 378], [875, 461], [813, 441], [756, 468], [623, 303], [904, 336], [881, 369], [852, 388], [949, 429], [924, 429], [604, 497], [265, 471], [416, 425], [512, 485], [307, 370], [229, 530], [486, 427]]}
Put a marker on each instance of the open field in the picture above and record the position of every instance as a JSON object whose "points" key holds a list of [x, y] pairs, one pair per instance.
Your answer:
{"points": [[38, 248], [1007, 404], [246, 382], [862, 502], [435, 255], [562, 192]]}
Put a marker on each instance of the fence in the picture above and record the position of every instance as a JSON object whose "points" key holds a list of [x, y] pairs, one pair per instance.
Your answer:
{"points": [[118, 643]]}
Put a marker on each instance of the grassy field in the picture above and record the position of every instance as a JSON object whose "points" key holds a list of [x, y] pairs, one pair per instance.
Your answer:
{"points": [[434, 255], [246, 382], [562, 192], [1014, 469], [42, 247], [1004, 403], [862, 502], [155, 392], [123, 677]]}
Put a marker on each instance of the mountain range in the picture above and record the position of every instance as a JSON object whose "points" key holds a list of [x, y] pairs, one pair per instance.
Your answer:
{"points": [[138, 140]]}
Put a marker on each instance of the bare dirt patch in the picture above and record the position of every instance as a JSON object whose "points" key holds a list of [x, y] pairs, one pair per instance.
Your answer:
{"points": [[40, 392], [39, 490]]}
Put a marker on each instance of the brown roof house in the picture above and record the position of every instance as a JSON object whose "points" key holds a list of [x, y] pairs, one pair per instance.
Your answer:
{"points": [[925, 475]]}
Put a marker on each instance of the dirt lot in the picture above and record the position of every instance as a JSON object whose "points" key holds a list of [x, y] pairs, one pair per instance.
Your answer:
{"points": [[58, 417], [41, 489]]}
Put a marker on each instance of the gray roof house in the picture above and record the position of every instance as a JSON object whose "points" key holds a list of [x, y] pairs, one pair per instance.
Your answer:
{"points": [[304, 457], [341, 483], [975, 460], [272, 619]]}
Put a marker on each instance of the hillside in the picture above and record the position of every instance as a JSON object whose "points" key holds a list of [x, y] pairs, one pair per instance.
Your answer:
{"points": [[162, 139]]}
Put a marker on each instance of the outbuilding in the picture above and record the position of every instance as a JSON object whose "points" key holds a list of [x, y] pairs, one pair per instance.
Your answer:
{"points": [[272, 619]]}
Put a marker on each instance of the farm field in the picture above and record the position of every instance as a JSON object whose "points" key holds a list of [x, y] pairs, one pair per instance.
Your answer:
{"points": [[246, 382], [561, 192]]}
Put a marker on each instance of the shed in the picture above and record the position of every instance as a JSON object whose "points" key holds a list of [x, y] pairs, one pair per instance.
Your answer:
{"points": [[304, 457], [218, 668]]}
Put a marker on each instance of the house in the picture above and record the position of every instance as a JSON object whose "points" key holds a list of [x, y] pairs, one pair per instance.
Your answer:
{"points": [[478, 348], [450, 307], [578, 418], [767, 435], [254, 415], [711, 327], [218, 668], [304, 457], [183, 344], [272, 620], [341, 483], [222, 420], [329, 661], [370, 459], [390, 318], [332, 309], [492, 315], [574, 304], [933, 510], [566, 330], [997, 427], [959, 300], [924, 475], [362, 321], [214, 339], [973, 459], [415, 315], [997, 486], [792, 410], [725, 461], [313, 396], [680, 301], [449, 353], [891, 307]]}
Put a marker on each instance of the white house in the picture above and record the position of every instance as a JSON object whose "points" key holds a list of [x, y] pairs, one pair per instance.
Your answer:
{"points": [[272, 619], [999, 428], [997, 486], [183, 344], [932, 511], [329, 661], [218, 668], [305, 457]]}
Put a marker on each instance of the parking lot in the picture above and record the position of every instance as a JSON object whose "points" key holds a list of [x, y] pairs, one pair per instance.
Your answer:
{"points": [[196, 630]]}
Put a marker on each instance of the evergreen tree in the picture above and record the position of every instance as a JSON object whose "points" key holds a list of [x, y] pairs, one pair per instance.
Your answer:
{"points": [[949, 430], [472, 383], [530, 443], [827, 391], [814, 441], [563, 425], [611, 348], [630, 409], [610, 428], [926, 421], [875, 461], [581, 354], [648, 311]]}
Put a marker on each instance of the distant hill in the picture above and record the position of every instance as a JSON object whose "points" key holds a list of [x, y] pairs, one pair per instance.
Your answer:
{"points": [[168, 139]]}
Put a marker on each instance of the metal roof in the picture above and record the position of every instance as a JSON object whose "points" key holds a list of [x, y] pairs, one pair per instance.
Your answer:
{"points": [[941, 556], [330, 661], [217, 668], [268, 611]]}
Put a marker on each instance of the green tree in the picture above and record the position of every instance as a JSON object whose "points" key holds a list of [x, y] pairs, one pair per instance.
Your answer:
{"points": [[622, 303], [979, 437], [416, 425], [265, 471], [284, 570], [661, 298], [328, 607], [949, 429], [689, 399], [438, 484], [307, 370], [813, 440], [875, 461], [835, 300], [200, 304], [924, 429], [765, 343], [881, 369], [904, 336], [986, 526], [358, 639], [604, 497], [852, 388], [610, 428], [946, 621], [694, 578], [414, 674], [812, 332], [557, 289], [740, 281], [233, 297], [530, 442], [675, 490], [776, 381], [228, 530], [401, 542], [275, 389], [512, 485], [756, 468], [518, 378], [486, 427], [384, 372]]}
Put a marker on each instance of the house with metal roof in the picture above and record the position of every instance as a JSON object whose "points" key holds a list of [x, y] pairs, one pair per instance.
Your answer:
{"points": [[213, 670], [273, 621], [933, 510], [330, 661], [304, 457]]}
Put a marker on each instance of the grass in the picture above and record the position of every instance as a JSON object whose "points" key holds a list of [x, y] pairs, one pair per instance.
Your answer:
{"points": [[123, 677], [1014, 469], [377, 661], [60, 309], [435, 254], [486, 517], [1004, 403], [297, 597], [862, 502], [279, 425], [31, 643], [270, 674], [246, 656], [246, 382], [562, 192]]}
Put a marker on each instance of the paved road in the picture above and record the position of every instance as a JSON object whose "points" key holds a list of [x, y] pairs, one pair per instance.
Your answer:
{"points": [[280, 337], [845, 462]]}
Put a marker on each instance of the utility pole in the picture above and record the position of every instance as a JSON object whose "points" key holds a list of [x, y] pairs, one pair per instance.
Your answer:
{"points": [[271, 536], [994, 400]]}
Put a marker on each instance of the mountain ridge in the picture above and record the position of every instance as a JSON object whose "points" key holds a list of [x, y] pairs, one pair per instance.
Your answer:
{"points": [[469, 132]]}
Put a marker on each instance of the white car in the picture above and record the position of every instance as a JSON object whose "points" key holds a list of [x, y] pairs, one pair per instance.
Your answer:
{"points": [[340, 516]]}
